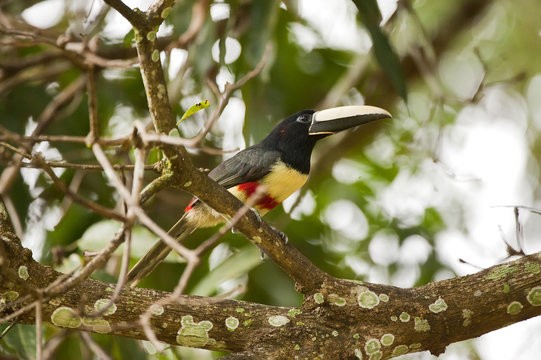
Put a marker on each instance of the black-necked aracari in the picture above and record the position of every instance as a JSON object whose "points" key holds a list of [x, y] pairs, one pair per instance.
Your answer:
{"points": [[280, 162]]}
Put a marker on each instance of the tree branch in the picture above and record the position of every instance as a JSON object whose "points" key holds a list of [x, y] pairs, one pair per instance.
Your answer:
{"points": [[342, 320]]}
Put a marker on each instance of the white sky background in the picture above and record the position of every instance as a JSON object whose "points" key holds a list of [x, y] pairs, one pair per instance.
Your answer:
{"points": [[486, 149]]}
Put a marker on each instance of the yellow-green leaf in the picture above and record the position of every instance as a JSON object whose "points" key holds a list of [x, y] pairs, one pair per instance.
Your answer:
{"points": [[193, 109]]}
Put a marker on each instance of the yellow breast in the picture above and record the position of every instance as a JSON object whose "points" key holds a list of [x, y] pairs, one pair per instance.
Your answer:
{"points": [[283, 181]]}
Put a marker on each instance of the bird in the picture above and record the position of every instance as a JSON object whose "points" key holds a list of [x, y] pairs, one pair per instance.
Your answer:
{"points": [[280, 163]]}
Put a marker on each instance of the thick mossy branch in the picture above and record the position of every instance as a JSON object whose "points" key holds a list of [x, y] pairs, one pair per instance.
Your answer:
{"points": [[340, 319]]}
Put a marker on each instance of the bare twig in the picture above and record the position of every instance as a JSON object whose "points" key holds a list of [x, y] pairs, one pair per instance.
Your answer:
{"points": [[199, 14], [53, 343], [47, 115], [226, 95], [13, 215], [95, 348], [94, 132], [37, 159]]}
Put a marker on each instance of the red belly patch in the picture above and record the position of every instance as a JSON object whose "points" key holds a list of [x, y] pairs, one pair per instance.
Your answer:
{"points": [[265, 202]]}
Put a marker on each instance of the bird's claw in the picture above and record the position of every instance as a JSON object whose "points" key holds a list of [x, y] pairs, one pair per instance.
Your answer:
{"points": [[257, 215], [281, 234]]}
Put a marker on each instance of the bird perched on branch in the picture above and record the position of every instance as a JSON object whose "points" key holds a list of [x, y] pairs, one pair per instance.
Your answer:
{"points": [[280, 163]]}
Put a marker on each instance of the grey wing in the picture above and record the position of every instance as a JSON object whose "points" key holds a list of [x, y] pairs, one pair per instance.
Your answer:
{"points": [[251, 164]]}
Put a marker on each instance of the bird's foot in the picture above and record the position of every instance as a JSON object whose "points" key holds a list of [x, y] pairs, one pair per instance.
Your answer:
{"points": [[281, 234], [257, 215]]}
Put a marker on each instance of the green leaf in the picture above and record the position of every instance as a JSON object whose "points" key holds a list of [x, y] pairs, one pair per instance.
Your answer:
{"points": [[385, 55], [97, 236], [129, 38], [236, 265], [193, 109], [21, 341]]}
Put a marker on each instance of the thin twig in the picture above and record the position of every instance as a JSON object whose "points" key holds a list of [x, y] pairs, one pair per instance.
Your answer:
{"points": [[47, 115], [125, 262], [38, 160], [111, 174], [186, 253], [93, 346], [199, 14], [528, 208], [226, 95], [53, 343], [13, 215], [94, 132]]}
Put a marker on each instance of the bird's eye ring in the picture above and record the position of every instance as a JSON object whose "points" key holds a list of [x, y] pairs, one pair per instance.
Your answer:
{"points": [[304, 118]]}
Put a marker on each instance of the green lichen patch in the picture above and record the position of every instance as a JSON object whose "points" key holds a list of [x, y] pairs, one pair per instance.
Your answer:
{"points": [[97, 324], [421, 325], [506, 288], [514, 308], [23, 272], [247, 322], [358, 354], [394, 318], [376, 356], [502, 271], [101, 304], [384, 297], [356, 336], [335, 299], [231, 323], [466, 315], [157, 309], [240, 310], [334, 333], [278, 320], [371, 346], [155, 56], [415, 346], [532, 267], [387, 339], [319, 298], [438, 306], [151, 35], [367, 299], [404, 316], [293, 312], [400, 350], [194, 334], [256, 239], [9, 296], [165, 12], [66, 317], [534, 296]]}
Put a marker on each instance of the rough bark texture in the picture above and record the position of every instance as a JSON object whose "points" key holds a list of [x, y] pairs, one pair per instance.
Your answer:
{"points": [[339, 319]]}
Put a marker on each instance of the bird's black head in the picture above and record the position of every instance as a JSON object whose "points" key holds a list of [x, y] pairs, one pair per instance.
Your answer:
{"points": [[291, 137], [296, 135]]}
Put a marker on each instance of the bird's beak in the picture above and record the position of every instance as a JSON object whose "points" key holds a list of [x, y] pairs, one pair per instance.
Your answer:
{"points": [[330, 121]]}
